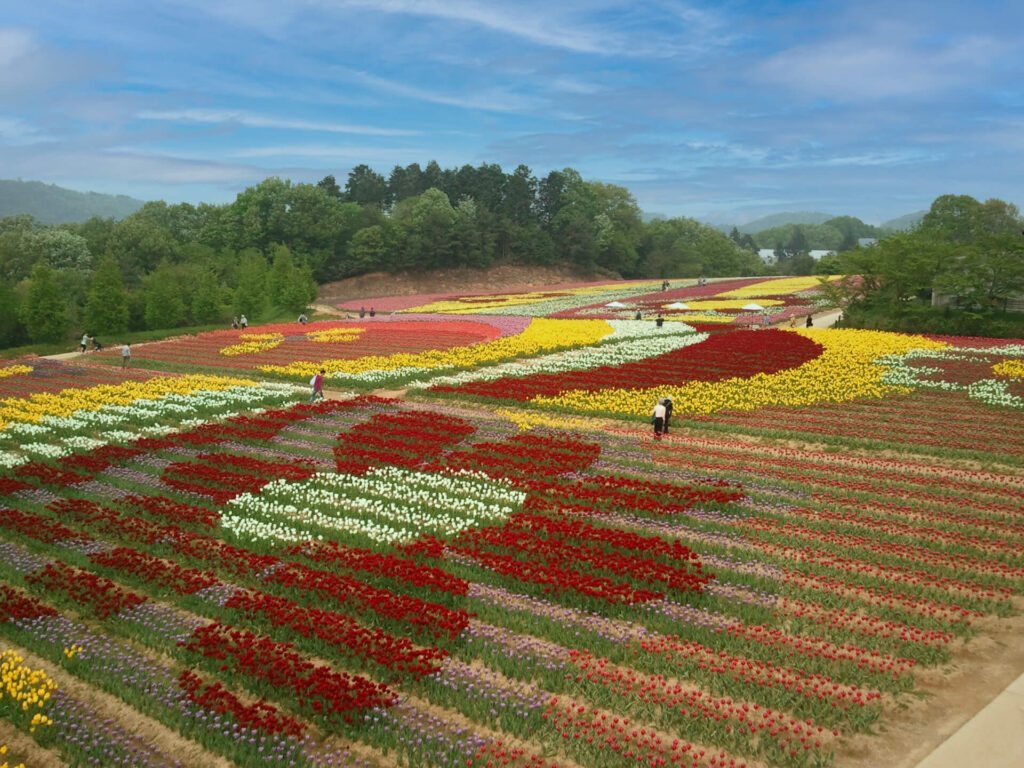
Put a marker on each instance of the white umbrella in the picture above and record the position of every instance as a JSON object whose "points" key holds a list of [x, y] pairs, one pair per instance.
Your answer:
{"points": [[676, 305], [615, 304], [752, 305]]}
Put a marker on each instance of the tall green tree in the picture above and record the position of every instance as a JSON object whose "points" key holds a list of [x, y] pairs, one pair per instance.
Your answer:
{"points": [[250, 296], [106, 309], [366, 187], [165, 298], [44, 312], [208, 298]]}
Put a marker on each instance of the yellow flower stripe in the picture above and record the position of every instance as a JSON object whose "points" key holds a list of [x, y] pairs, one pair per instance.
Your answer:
{"points": [[253, 343], [844, 371], [542, 335], [14, 370], [23, 689], [66, 402], [778, 287], [335, 334], [526, 421], [472, 304], [729, 303], [1012, 368]]}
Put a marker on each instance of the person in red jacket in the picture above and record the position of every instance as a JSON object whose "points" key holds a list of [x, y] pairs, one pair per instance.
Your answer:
{"points": [[317, 382]]}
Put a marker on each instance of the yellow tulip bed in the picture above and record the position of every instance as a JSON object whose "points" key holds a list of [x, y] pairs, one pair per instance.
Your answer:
{"points": [[777, 287], [1012, 368], [24, 692], [253, 343], [14, 370], [33, 408], [331, 335]]}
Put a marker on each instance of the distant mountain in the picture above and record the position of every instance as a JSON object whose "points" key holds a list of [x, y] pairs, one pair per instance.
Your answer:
{"points": [[50, 204], [906, 221], [779, 219]]}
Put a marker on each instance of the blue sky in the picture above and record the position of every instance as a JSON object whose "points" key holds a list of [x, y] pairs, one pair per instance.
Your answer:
{"points": [[722, 111]]}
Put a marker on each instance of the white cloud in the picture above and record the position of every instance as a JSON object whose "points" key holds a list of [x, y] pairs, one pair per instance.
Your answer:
{"points": [[262, 121], [886, 62]]}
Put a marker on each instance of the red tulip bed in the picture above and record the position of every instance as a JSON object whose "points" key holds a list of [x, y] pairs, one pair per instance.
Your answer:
{"points": [[382, 336], [56, 376], [374, 583], [722, 356]]}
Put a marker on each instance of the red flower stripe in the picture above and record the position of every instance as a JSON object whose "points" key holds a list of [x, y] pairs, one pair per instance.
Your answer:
{"points": [[355, 595], [11, 485], [775, 732], [153, 570], [340, 633], [320, 691], [259, 716], [403, 438], [36, 527], [15, 604], [48, 475], [87, 590], [172, 511], [399, 569], [555, 552], [526, 456]]}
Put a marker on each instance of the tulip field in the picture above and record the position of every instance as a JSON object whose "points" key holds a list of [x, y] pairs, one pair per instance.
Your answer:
{"points": [[475, 553]]}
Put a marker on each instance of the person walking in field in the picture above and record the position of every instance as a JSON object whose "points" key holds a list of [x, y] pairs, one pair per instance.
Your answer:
{"points": [[317, 383], [84, 342], [244, 322], [658, 419], [126, 356], [668, 414]]}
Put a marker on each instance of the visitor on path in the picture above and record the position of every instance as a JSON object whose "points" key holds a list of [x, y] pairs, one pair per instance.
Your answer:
{"points": [[668, 414], [96, 344], [243, 321], [317, 383], [660, 321], [373, 312], [810, 321], [362, 312], [84, 342], [792, 322], [303, 319], [658, 419], [765, 320], [234, 323], [126, 356], [638, 315]]}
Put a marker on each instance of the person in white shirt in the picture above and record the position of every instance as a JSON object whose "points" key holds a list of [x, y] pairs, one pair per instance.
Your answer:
{"points": [[126, 356], [658, 419]]}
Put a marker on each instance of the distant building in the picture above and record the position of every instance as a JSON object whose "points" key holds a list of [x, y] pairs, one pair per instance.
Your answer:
{"points": [[768, 254]]}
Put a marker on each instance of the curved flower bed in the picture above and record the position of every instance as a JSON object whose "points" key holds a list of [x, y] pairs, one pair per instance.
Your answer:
{"points": [[846, 369]]}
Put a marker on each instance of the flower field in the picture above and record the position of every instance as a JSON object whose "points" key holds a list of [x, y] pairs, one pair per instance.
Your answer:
{"points": [[504, 567]]}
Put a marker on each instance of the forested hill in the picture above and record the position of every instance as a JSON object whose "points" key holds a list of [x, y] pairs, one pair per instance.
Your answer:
{"points": [[50, 204]]}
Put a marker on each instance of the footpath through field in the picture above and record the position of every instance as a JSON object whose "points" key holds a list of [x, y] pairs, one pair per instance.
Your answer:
{"points": [[993, 738]]}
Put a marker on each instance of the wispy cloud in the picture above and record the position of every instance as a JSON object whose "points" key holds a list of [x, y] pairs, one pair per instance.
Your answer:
{"points": [[251, 120], [882, 63]]}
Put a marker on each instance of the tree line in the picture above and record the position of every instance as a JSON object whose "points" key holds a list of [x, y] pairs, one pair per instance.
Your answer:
{"points": [[958, 272], [168, 266]]}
